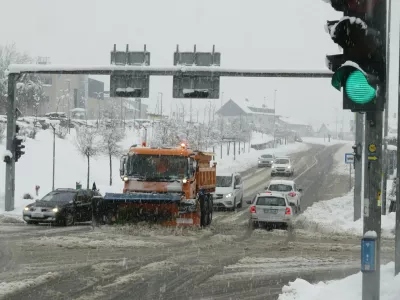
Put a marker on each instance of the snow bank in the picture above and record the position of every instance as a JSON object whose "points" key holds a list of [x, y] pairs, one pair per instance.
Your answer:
{"points": [[322, 141], [8, 288], [247, 160], [348, 288], [335, 216], [340, 167], [35, 167]]}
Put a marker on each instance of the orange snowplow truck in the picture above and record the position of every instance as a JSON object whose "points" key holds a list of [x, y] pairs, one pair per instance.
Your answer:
{"points": [[171, 186]]}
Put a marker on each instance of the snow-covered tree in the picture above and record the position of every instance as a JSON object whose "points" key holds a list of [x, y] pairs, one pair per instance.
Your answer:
{"points": [[111, 136], [88, 145], [2, 131], [29, 87]]}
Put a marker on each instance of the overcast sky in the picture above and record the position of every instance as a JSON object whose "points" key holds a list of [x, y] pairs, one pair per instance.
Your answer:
{"points": [[284, 34]]}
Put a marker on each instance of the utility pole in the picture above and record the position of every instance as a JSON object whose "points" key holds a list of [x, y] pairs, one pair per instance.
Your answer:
{"points": [[274, 146], [191, 110], [386, 126], [69, 111], [161, 95], [358, 163], [372, 202], [54, 154], [397, 228]]}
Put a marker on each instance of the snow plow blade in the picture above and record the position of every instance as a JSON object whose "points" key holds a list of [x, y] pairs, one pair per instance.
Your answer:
{"points": [[161, 208]]}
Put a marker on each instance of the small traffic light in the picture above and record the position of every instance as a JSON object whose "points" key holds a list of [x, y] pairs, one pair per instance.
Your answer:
{"points": [[361, 69], [18, 148]]}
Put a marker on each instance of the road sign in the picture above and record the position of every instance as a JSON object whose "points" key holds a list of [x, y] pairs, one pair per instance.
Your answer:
{"points": [[130, 85], [368, 255], [372, 148], [349, 158], [200, 87]]}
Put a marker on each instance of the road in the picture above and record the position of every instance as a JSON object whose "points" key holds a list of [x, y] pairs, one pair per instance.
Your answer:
{"points": [[225, 261]]}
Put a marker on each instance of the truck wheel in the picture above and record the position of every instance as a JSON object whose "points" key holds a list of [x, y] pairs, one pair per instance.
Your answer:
{"points": [[203, 210], [210, 210]]}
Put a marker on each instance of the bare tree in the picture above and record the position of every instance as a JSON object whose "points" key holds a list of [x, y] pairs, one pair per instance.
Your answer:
{"points": [[87, 143], [110, 139]]}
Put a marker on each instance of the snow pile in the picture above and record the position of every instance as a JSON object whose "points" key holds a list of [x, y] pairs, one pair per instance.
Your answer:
{"points": [[348, 288], [335, 216], [324, 141], [260, 138], [8, 288], [35, 167], [340, 167]]}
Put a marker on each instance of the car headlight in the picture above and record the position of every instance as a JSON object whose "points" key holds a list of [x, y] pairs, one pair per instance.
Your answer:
{"points": [[184, 180], [26, 208], [259, 161], [55, 209], [288, 167], [228, 195], [273, 167]]}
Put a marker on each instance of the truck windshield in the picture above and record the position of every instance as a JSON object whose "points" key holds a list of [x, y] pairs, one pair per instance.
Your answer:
{"points": [[224, 181], [157, 167]]}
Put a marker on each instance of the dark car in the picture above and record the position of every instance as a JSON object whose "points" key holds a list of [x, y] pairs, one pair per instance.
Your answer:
{"points": [[61, 206]]}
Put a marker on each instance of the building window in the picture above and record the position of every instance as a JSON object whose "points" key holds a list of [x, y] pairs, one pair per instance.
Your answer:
{"points": [[47, 80]]}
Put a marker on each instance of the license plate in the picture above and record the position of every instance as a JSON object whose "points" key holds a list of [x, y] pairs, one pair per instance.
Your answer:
{"points": [[37, 215], [271, 211], [184, 221]]}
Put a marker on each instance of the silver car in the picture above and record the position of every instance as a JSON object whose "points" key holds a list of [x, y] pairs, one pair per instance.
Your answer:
{"points": [[271, 208], [266, 160]]}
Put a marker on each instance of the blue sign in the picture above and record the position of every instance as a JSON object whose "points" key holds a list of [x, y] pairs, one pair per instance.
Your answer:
{"points": [[349, 158], [368, 255]]}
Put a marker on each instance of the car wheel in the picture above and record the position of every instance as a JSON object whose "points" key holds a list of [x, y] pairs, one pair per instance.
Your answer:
{"points": [[234, 205], [69, 219], [32, 222], [240, 203]]}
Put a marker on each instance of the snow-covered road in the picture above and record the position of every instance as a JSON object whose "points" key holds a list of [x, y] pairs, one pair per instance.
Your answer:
{"points": [[225, 261]]}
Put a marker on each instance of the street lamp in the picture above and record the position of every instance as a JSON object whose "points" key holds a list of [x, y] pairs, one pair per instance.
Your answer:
{"points": [[274, 116], [161, 94]]}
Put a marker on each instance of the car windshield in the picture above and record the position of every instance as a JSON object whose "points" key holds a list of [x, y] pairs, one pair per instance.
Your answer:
{"points": [[59, 196], [266, 156], [271, 201], [280, 188], [157, 167], [224, 181], [282, 161]]}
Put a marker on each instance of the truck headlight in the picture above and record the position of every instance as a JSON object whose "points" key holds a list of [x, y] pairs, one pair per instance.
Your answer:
{"points": [[126, 178], [184, 180], [228, 195]]}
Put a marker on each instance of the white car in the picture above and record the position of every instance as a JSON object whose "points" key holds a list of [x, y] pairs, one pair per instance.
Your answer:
{"points": [[282, 166], [288, 188], [271, 208], [229, 191]]}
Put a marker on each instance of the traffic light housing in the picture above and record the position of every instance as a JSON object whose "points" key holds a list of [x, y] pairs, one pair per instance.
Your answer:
{"points": [[361, 69], [17, 145]]}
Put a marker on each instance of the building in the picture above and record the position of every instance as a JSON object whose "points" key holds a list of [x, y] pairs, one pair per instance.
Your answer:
{"points": [[260, 118], [326, 130], [63, 92], [299, 127]]}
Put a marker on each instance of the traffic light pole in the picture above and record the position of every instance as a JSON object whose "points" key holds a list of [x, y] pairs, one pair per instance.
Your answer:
{"points": [[397, 228], [358, 165], [372, 205], [11, 122]]}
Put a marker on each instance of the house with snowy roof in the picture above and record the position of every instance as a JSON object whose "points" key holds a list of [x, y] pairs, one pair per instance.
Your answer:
{"points": [[327, 130], [260, 118]]}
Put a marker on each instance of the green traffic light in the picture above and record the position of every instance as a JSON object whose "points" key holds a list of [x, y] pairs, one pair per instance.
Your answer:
{"points": [[358, 89]]}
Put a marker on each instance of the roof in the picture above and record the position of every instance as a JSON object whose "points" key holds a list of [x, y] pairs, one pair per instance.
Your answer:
{"points": [[160, 151], [289, 182], [291, 121], [273, 194]]}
